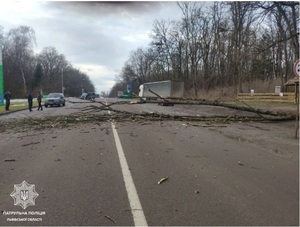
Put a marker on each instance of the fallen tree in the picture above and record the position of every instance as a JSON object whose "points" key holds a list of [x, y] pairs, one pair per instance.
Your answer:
{"points": [[97, 114]]}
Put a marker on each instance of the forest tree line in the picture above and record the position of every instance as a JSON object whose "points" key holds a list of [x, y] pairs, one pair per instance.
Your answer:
{"points": [[218, 44], [25, 71]]}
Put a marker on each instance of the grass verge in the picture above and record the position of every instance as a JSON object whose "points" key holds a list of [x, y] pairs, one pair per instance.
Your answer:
{"points": [[14, 106]]}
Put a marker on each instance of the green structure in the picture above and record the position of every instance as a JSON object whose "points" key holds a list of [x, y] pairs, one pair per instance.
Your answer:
{"points": [[1, 80], [126, 95]]}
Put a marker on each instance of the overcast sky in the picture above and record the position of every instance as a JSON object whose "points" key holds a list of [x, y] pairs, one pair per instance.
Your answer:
{"points": [[96, 37]]}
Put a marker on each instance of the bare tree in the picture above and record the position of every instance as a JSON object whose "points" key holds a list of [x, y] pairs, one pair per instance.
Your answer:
{"points": [[221, 44], [19, 50], [194, 30], [53, 65], [140, 62], [75, 81]]}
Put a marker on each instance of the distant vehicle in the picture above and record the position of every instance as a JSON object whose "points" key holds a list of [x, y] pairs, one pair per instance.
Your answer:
{"points": [[166, 89], [90, 96], [55, 99], [83, 96], [97, 96]]}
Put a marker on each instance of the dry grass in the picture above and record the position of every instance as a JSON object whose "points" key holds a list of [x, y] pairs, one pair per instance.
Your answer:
{"points": [[229, 93]]}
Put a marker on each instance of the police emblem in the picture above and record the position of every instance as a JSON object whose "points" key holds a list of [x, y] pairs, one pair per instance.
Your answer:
{"points": [[24, 194]]}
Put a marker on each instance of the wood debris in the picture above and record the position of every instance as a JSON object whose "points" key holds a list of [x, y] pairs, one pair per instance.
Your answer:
{"points": [[109, 218], [162, 180], [25, 145]]}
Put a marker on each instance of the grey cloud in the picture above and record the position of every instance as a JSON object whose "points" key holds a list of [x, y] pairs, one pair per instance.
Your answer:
{"points": [[83, 41], [81, 28], [91, 32], [107, 8]]}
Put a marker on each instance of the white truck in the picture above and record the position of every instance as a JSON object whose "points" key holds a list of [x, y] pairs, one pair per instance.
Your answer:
{"points": [[165, 89]]}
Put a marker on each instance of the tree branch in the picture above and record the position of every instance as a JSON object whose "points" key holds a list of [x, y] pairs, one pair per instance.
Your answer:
{"points": [[277, 42]]}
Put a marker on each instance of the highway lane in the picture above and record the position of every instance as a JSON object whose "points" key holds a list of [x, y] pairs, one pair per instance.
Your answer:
{"points": [[206, 185], [213, 179], [76, 173]]}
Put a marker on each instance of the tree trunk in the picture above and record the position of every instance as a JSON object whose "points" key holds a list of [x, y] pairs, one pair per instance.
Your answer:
{"points": [[24, 80]]}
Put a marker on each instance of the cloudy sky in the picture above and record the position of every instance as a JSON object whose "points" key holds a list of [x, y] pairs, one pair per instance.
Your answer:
{"points": [[96, 37]]}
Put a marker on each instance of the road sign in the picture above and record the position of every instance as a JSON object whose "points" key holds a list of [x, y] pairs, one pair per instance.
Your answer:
{"points": [[297, 68], [120, 93], [128, 87]]}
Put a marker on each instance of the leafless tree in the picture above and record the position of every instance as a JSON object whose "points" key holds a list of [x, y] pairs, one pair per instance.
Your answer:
{"points": [[222, 44], [53, 65], [19, 51]]}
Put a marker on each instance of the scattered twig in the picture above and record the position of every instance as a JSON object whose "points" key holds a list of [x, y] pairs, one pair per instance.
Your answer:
{"points": [[9, 160], [24, 145], [193, 156], [227, 118], [110, 218], [25, 136], [162, 180]]}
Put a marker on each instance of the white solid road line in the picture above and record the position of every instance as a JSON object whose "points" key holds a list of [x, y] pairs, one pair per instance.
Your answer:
{"points": [[134, 201], [135, 205]]}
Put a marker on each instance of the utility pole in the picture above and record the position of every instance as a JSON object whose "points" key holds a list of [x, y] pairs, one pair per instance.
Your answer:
{"points": [[1, 79], [82, 89], [62, 82]]}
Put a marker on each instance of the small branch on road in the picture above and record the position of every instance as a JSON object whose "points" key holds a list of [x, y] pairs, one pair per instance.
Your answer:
{"points": [[110, 218], [9, 160], [240, 163], [162, 180], [25, 145]]}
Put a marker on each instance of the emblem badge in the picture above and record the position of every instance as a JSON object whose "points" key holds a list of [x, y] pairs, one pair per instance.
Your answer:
{"points": [[24, 194]]}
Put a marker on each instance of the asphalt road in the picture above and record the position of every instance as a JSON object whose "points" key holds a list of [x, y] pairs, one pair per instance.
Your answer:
{"points": [[104, 173]]}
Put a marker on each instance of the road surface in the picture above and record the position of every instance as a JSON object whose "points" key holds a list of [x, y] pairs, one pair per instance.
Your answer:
{"points": [[156, 173]]}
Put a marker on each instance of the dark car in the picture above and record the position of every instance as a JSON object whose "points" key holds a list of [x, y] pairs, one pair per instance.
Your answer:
{"points": [[55, 99], [90, 96]]}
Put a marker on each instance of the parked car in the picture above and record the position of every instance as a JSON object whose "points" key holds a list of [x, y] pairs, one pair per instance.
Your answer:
{"points": [[55, 99]]}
